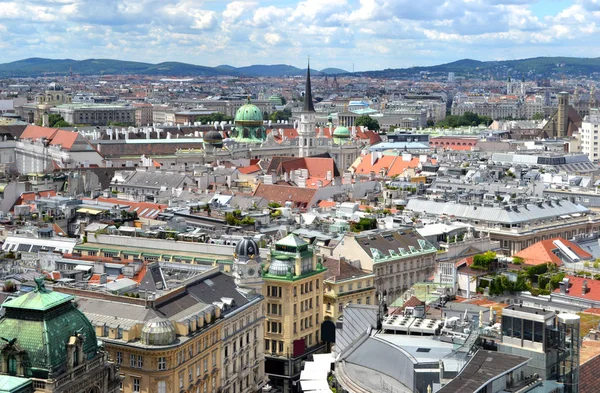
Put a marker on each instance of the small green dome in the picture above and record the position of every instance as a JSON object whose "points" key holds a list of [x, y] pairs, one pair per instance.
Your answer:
{"points": [[341, 132], [249, 115]]}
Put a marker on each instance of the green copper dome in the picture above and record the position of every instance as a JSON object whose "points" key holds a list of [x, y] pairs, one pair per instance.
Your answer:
{"points": [[341, 132], [249, 125], [249, 115], [41, 323]]}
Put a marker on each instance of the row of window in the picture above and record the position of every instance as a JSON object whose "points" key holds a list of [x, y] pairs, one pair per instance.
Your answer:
{"points": [[274, 291], [342, 304], [241, 342]]}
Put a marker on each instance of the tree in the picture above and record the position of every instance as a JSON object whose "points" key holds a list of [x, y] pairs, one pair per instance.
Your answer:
{"points": [[280, 115], [56, 121], [368, 122], [538, 116], [465, 120], [213, 117], [483, 261]]}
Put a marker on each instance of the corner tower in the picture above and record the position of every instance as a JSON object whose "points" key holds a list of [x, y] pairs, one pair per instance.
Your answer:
{"points": [[307, 133]]}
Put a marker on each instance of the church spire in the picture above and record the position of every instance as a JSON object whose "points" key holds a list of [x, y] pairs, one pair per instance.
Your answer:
{"points": [[308, 102]]}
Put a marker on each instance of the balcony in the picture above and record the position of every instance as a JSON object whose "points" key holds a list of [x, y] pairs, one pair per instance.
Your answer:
{"points": [[77, 372]]}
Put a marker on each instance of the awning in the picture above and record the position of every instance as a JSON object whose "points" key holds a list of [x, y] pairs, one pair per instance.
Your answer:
{"points": [[308, 386], [84, 268], [89, 211]]}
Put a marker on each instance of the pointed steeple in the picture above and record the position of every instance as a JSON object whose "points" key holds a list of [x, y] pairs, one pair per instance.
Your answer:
{"points": [[308, 102]]}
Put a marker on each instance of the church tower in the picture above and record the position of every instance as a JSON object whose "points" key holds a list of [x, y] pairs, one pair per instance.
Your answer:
{"points": [[306, 133], [247, 266], [508, 86]]}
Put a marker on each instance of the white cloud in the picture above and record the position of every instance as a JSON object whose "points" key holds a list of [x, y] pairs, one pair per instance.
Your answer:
{"points": [[369, 33]]}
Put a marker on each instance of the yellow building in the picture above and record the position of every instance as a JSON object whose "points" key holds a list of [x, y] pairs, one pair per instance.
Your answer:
{"points": [[345, 284], [200, 337], [293, 290]]}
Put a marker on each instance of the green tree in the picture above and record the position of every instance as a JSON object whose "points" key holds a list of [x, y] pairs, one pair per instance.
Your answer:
{"points": [[483, 261], [56, 121], [467, 119], [280, 115], [368, 122], [364, 224], [538, 116], [213, 117]]}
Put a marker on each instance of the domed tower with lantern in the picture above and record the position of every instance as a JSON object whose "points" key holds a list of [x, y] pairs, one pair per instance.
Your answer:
{"points": [[247, 265], [249, 124]]}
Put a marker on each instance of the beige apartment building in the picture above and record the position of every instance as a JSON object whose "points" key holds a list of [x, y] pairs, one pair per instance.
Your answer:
{"points": [[293, 289], [398, 258], [203, 336], [345, 284]]}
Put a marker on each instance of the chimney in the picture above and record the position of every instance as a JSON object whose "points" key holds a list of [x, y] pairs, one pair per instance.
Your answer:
{"points": [[328, 176], [301, 182], [584, 287]]}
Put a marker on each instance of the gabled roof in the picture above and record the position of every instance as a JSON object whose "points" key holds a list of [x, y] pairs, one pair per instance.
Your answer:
{"points": [[246, 170], [67, 140], [301, 197], [339, 269], [36, 132], [544, 251], [384, 163]]}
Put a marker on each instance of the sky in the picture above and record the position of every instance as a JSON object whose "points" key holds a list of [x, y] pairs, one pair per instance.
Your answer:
{"points": [[347, 34]]}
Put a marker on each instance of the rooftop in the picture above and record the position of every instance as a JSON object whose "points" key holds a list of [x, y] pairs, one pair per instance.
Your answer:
{"points": [[483, 368]]}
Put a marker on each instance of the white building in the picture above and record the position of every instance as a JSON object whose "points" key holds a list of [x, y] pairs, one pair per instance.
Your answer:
{"points": [[43, 149], [588, 135]]}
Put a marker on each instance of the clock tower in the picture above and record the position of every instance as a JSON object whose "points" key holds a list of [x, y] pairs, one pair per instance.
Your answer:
{"points": [[246, 265]]}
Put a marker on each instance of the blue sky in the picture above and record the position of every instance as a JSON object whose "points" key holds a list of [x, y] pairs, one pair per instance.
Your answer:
{"points": [[371, 34]]}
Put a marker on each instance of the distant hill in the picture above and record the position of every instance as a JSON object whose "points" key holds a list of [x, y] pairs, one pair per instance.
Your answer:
{"points": [[533, 67], [333, 71], [539, 67], [36, 66]]}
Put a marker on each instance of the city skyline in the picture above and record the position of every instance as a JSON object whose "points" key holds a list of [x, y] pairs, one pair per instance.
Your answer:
{"points": [[347, 34]]}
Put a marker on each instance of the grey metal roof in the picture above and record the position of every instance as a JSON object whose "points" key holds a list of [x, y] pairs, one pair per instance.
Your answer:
{"points": [[484, 367], [357, 320], [156, 179], [497, 214]]}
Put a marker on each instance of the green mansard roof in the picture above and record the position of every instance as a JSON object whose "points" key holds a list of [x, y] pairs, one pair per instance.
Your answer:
{"points": [[41, 323]]}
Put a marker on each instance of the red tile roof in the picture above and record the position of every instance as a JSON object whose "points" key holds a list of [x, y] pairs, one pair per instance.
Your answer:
{"points": [[246, 170], [301, 197], [575, 285], [327, 204], [31, 196], [338, 269], [143, 209], [382, 164], [541, 252], [400, 166], [589, 377], [64, 138], [36, 132]]}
